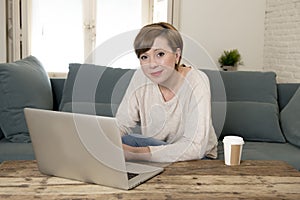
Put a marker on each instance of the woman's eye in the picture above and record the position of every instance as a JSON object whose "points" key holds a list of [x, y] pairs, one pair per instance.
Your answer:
{"points": [[143, 57], [161, 54]]}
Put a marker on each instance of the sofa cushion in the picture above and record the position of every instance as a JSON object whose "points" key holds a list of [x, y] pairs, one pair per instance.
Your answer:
{"points": [[257, 122], [94, 89], [15, 151], [23, 83], [290, 119], [103, 109], [252, 109]]}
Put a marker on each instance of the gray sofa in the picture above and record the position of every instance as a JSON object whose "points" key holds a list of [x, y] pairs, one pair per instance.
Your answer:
{"points": [[254, 103]]}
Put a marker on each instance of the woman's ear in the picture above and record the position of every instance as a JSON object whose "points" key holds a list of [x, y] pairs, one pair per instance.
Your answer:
{"points": [[178, 55]]}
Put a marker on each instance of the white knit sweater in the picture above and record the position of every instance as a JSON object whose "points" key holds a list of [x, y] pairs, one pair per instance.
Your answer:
{"points": [[184, 122]]}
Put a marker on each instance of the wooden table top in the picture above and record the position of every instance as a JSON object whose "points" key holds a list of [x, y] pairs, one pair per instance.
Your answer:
{"points": [[202, 179]]}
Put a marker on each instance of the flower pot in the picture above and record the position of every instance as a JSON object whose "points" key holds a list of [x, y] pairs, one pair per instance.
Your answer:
{"points": [[229, 68]]}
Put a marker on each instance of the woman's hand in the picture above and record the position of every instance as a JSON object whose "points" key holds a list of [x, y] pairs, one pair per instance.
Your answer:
{"points": [[136, 153]]}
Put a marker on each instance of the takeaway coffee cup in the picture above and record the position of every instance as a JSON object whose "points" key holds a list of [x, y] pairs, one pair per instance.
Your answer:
{"points": [[233, 149]]}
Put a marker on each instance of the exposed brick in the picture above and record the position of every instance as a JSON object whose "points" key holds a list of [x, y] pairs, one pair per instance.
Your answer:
{"points": [[297, 75], [282, 39]]}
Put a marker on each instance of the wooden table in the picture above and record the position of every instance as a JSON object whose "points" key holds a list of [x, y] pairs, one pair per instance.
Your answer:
{"points": [[203, 179]]}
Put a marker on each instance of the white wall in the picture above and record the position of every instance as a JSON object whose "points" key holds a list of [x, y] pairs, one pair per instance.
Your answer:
{"points": [[220, 25], [2, 32], [282, 39]]}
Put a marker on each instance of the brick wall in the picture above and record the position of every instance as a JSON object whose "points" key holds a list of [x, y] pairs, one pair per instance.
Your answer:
{"points": [[282, 39]]}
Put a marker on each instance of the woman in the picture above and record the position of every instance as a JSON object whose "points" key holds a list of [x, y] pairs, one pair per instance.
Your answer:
{"points": [[170, 101]]}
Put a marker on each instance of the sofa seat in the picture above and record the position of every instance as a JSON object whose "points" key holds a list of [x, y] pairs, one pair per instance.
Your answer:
{"points": [[15, 151], [267, 151]]}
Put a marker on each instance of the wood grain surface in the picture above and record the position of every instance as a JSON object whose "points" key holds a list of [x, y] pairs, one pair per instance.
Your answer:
{"points": [[202, 179]]}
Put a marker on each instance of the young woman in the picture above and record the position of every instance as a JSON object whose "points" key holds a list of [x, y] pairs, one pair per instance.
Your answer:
{"points": [[171, 102]]}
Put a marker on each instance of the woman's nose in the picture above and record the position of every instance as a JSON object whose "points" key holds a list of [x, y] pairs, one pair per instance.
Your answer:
{"points": [[152, 62]]}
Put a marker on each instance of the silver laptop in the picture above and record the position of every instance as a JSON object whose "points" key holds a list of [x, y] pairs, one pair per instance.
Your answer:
{"points": [[82, 147]]}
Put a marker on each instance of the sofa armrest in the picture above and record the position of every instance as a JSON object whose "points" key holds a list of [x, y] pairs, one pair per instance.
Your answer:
{"points": [[57, 91]]}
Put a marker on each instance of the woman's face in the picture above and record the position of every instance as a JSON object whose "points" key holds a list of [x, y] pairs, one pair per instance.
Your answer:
{"points": [[158, 64]]}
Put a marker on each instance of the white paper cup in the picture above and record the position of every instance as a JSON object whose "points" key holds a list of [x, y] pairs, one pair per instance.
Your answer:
{"points": [[233, 146]]}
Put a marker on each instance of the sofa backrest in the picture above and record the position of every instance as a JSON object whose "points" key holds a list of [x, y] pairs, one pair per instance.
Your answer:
{"points": [[93, 89], [57, 85], [1, 134], [285, 93], [251, 105]]}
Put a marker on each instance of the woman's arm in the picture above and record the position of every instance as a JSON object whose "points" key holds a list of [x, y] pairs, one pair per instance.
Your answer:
{"points": [[128, 112], [136, 153]]}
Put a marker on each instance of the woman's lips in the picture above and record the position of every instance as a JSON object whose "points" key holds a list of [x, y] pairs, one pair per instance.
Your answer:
{"points": [[156, 73]]}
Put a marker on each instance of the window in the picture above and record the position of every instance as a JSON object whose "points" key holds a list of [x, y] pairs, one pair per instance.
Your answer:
{"points": [[57, 36], [68, 31], [115, 17]]}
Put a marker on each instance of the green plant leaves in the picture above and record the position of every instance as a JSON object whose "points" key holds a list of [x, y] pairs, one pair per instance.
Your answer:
{"points": [[230, 58]]}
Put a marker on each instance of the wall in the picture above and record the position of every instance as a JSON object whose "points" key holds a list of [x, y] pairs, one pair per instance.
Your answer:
{"points": [[282, 39], [220, 25]]}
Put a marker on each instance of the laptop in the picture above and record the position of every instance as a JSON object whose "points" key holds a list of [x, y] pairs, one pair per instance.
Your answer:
{"points": [[83, 147]]}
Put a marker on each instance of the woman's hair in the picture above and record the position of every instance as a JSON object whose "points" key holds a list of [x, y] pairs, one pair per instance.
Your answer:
{"points": [[145, 38]]}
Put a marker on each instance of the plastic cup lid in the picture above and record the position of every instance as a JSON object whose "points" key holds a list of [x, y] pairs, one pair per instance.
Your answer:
{"points": [[233, 139]]}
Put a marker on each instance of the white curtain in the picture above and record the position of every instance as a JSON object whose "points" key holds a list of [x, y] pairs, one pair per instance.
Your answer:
{"points": [[89, 14], [15, 31]]}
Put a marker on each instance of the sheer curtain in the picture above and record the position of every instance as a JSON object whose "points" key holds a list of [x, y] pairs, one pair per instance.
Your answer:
{"points": [[115, 19], [57, 33], [15, 34], [69, 31]]}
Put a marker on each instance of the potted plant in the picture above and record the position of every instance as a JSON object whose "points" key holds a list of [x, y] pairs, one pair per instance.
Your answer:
{"points": [[229, 60]]}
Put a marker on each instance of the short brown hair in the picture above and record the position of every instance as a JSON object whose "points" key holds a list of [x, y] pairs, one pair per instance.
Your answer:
{"points": [[145, 38]]}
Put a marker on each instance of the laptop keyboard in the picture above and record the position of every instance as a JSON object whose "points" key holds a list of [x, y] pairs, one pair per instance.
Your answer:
{"points": [[131, 175]]}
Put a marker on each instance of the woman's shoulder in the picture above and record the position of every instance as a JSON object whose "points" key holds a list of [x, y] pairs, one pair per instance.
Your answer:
{"points": [[196, 76], [138, 79], [140, 83]]}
